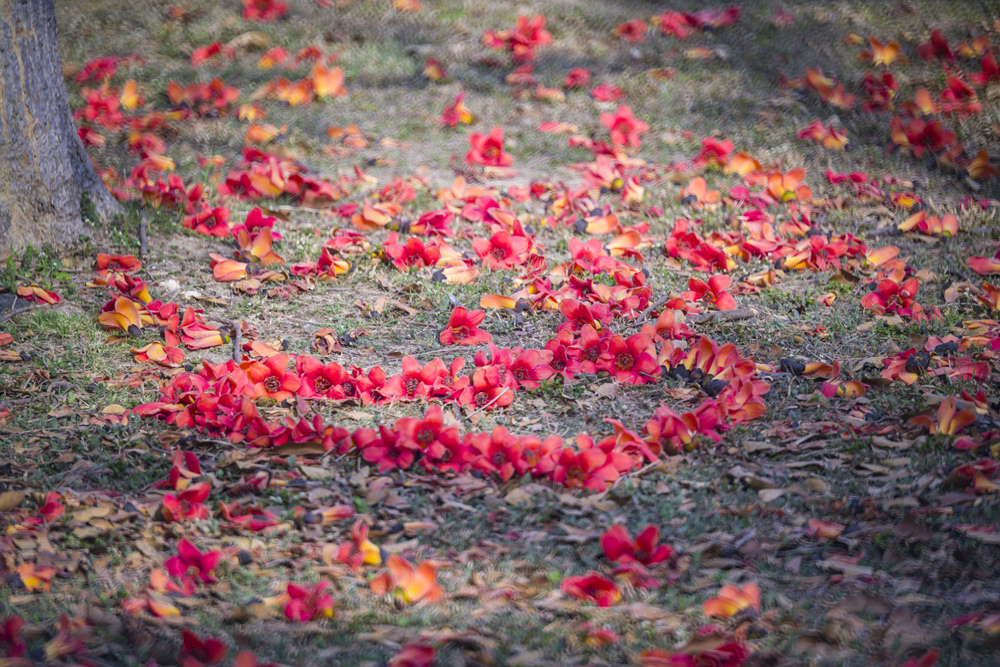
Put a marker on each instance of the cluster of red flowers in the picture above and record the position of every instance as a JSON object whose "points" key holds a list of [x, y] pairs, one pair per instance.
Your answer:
{"points": [[131, 308], [222, 400], [266, 176], [948, 357], [917, 128], [521, 42]]}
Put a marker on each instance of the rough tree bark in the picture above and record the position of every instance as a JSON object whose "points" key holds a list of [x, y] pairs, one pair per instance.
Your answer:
{"points": [[44, 169]]}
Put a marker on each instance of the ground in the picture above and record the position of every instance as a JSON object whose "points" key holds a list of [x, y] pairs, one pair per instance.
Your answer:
{"points": [[871, 538]]}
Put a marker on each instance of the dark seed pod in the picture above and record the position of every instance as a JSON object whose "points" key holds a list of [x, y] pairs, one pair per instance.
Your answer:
{"points": [[944, 349], [792, 366], [917, 363], [714, 386]]}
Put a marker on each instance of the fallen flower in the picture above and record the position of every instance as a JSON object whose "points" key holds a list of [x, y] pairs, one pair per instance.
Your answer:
{"points": [[487, 149], [406, 583], [592, 587], [463, 328], [732, 599], [308, 603]]}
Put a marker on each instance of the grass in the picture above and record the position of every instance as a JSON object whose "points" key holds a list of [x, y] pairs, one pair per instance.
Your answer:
{"points": [[502, 560]]}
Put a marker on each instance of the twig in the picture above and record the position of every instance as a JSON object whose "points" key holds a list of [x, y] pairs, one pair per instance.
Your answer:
{"points": [[656, 305], [301, 209], [12, 481], [722, 316], [17, 312], [486, 405], [890, 230], [142, 236], [236, 332]]}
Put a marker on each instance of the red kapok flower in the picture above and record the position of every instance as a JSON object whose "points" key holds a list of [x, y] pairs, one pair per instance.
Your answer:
{"points": [[308, 603], [198, 652], [624, 127], [593, 587], [456, 112], [408, 584], [631, 360], [187, 504], [578, 77], [487, 149], [272, 380], [620, 548], [414, 655], [190, 562], [463, 328]]}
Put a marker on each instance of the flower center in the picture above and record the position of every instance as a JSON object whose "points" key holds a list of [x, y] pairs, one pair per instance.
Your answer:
{"points": [[574, 474], [410, 385], [459, 333], [322, 385], [592, 354], [499, 458], [425, 436], [520, 374], [272, 384], [482, 398], [348, 388], [498, 253], [624, 361]]}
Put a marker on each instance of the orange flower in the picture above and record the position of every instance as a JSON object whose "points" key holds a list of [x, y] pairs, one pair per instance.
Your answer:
{"points": [[227, 270], [35, 578], [130, 96], [828, 135], [881, 53], [328, 81], [950, 420], [38, 295], [125, 316], [159, 354], [375, 216], [731, 600], [259, 247], [932, 225], [697, 195], [980, 168], [990, 296], [263, 134], [406, 583], [456, 112], [434, 70], [743, 164], [787, 187], [824, 529]]}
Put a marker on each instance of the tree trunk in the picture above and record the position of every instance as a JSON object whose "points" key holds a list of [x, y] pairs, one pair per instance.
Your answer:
{"points": [[44, 169]]}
